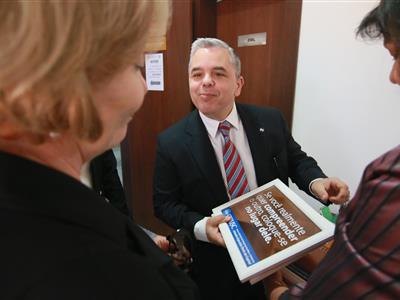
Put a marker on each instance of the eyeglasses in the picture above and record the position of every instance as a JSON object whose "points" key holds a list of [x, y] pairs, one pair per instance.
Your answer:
{"points": [[180, 248]]}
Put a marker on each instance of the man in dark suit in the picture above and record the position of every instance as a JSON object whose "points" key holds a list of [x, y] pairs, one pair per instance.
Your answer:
{"points": [[105, 180], [101, 174], [195, 159]]}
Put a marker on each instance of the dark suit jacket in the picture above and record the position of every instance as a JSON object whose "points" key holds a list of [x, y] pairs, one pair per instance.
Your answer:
{"points": [[188, 181], [106, 181], [60, 240], [364, 261]]}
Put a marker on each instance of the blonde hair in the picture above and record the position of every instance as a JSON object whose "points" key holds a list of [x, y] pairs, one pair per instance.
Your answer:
{"points": [[53, 52]]}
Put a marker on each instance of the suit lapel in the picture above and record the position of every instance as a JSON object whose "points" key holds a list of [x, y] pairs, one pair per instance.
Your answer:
{"points": [[95, 173], [200, 146], [257, 136]]}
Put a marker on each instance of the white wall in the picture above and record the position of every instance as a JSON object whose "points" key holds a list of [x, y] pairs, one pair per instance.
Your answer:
{"points": [[346, 110]]}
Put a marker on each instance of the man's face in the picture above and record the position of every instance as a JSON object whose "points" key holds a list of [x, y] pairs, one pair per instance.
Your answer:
{"points": [[395, 53], [213, 83]]}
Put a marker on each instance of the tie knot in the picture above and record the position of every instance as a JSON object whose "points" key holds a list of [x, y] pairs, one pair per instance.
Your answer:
{"points": [[224, 127]]}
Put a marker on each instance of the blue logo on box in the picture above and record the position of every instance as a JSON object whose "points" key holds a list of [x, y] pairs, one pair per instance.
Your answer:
{"points": [[247, 251]]}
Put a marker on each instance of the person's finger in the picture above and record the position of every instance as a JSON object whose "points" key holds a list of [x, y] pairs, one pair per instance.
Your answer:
{"points": [[161, 242], [339, 193], [342, 196], [212, 230], [319, 189], [219, 240], [216, 220]]}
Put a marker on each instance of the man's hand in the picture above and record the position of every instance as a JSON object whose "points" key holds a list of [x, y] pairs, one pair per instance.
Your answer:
{"points": [[180, 247], [331, 189], [212, 230], [162, 242]]}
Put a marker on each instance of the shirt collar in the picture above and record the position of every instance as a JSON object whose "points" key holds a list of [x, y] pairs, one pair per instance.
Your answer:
{"points": [[212, 125]]}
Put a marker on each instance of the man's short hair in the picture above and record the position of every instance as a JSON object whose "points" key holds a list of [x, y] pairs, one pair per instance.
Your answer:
{"points": [[201, 43]]}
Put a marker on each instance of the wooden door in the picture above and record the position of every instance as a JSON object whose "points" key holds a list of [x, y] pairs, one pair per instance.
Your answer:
{"points": [[269, 70], [160, 110]]}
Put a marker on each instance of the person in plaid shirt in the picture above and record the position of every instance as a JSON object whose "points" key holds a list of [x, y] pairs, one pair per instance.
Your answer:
{"points": [[364, 261]]}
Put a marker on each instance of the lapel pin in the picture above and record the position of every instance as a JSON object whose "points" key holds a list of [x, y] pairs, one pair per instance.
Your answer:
{"points": [[261, 129]]}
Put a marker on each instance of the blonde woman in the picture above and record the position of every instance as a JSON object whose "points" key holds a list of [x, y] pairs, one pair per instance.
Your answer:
{"points": [[69, 85]]}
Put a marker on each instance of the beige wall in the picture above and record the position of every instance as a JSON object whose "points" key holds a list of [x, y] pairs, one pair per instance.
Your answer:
{"points": [[346, 111]]}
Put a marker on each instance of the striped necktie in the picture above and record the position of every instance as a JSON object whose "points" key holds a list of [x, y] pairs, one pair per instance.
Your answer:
{"points": [[235, 174]]}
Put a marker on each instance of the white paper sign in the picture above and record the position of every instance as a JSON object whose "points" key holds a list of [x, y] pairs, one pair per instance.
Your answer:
{"points": [[154, 71]]}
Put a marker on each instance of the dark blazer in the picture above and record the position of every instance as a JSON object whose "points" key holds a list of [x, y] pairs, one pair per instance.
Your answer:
{"points": [[364, 261], [106, 181], [60, 240], [188, 182]]}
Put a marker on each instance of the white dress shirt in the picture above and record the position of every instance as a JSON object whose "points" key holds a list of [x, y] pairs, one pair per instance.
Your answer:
{"points": [[86, 177], [238, 137]]}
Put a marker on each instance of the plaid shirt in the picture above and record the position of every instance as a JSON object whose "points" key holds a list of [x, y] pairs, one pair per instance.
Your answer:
{"points": [[364, 261]]}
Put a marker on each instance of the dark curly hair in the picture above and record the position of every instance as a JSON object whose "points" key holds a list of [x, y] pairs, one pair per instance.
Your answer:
{"points": [[382, 21]]}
